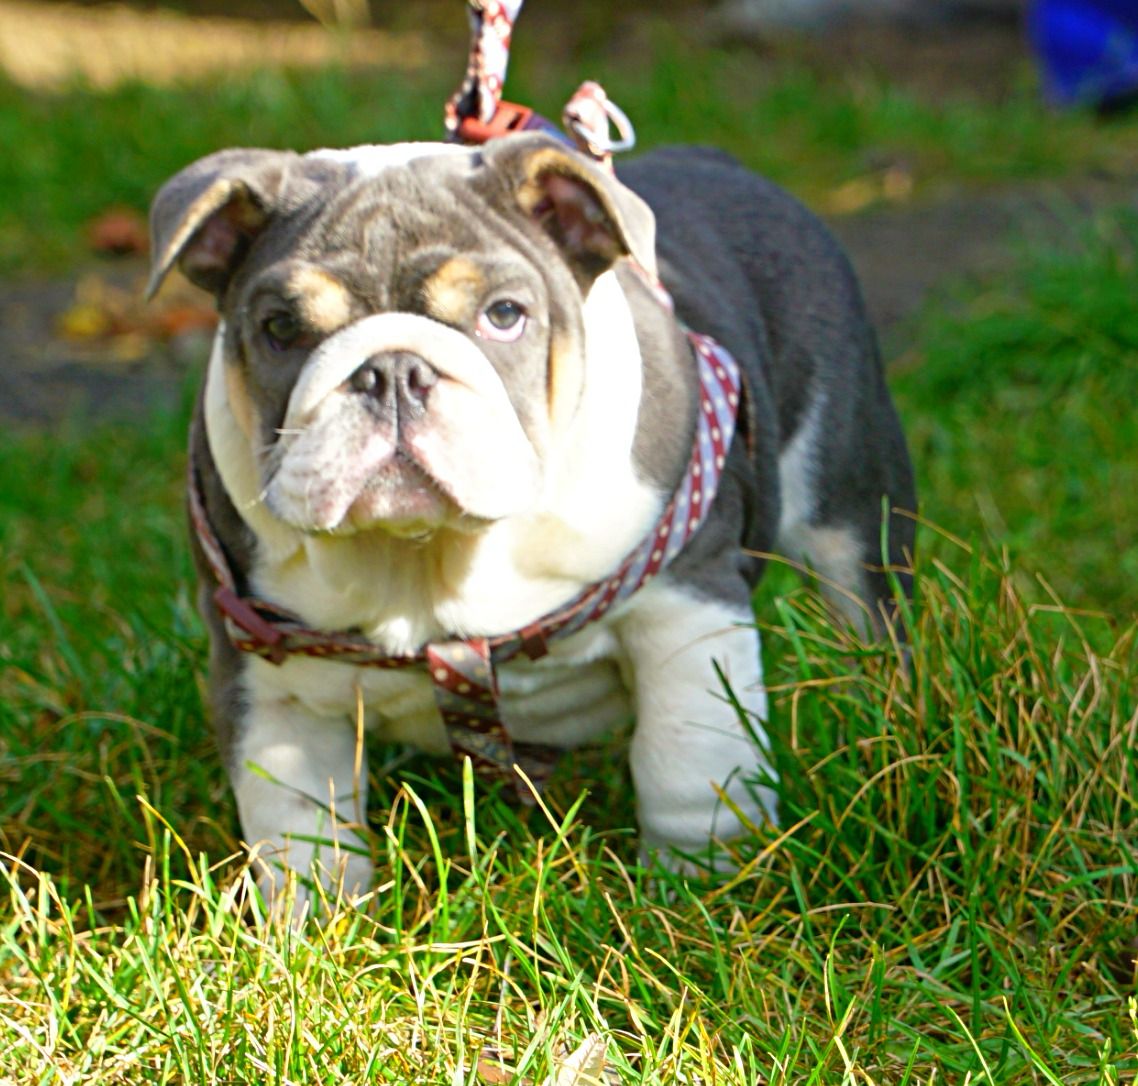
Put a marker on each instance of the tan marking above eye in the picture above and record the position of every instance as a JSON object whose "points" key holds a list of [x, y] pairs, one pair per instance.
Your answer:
{"points": [[452, 292], [323, 303]]}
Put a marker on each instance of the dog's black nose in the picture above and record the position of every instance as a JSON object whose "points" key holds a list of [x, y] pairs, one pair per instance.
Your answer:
{"points": [[395, 380]]}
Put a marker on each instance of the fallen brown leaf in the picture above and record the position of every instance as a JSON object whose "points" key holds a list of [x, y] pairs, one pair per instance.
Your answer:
{"points": [[493, 1072], [120, 231], [84, 322], [179, 319]]}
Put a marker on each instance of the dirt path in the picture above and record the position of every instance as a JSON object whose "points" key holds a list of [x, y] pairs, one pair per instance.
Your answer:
{"points": [[908, 254]]}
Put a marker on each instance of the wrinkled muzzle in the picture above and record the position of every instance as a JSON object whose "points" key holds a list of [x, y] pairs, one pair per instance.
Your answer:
{"points": [[400, 422]]}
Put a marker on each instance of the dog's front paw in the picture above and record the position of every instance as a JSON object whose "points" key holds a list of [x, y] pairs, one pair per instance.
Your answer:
{"points": [[301, 790], [302, 879]]}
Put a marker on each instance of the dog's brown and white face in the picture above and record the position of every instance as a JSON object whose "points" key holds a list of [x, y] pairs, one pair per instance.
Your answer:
{"points": [[403, 347]]}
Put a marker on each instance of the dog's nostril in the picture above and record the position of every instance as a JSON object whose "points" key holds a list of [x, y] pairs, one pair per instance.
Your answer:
{"points": [[368, 379], [421, 378], [395, 376]]}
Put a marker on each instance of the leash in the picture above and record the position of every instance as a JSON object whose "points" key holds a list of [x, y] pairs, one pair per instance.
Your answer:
{"points": [[463, 671], [477, 113]]}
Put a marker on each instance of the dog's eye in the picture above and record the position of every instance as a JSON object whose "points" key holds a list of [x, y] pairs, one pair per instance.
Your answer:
{"points": [[503, 321], [283, 331]]}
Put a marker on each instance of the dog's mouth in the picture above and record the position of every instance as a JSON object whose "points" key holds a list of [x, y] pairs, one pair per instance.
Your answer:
{"points": [[402, 498], [361, 481]]}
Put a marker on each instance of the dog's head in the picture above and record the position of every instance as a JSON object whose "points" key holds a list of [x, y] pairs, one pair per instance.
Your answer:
{"points": [[402, 333]]}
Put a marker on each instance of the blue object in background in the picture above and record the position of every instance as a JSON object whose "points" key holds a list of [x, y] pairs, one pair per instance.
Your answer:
{"points": [[1087, 49]]}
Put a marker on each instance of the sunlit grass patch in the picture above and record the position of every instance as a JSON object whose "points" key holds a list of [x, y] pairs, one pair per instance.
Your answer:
{"points": [[956, 866]]}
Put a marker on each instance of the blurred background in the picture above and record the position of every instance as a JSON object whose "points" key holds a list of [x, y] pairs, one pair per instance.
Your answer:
{"points": [[860, 106]]}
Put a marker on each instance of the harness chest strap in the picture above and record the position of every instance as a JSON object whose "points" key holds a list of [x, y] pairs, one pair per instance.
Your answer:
{"points": [[463, 670]]}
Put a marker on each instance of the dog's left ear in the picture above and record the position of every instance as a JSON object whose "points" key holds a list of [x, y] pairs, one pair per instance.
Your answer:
{"points": [[592, 217]]}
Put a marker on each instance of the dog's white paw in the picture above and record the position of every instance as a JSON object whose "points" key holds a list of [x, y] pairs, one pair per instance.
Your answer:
{"points": [[303, 879]]}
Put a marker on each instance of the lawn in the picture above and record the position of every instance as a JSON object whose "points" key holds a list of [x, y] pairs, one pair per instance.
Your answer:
{"points": [[953, 895]]}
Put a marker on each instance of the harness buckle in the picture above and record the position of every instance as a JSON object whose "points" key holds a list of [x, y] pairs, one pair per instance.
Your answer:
{"points": [[267, 638]]}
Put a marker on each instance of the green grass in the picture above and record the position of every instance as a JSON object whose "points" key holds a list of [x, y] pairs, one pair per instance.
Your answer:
{"points": [[954, 894], [1019, 400], [957, 866]]}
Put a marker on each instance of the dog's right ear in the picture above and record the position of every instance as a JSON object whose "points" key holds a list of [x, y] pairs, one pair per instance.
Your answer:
{"points": [[205, 218]]}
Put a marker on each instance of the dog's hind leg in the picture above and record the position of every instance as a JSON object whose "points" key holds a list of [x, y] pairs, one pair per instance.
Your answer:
{"points": [[837, 500]]}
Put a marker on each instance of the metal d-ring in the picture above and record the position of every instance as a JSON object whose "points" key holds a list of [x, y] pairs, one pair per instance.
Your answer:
{"points": [[588, 136]]}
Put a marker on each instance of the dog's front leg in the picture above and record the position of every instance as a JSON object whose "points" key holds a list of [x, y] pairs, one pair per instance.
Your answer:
{"points": [[689, 740], [301, 785]]}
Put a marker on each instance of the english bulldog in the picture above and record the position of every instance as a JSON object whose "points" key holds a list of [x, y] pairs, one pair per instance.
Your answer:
{"points": [[449, 398]]}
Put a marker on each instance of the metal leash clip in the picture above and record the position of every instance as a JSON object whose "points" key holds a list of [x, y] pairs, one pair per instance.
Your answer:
{"points": [[589, 117]]}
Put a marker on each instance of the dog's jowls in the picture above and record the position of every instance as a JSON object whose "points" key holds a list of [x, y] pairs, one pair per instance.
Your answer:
{"points": [[442, 400]]}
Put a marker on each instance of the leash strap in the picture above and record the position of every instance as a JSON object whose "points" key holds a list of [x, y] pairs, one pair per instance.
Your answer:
{"points": [[491, 28], [476, 112]]}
